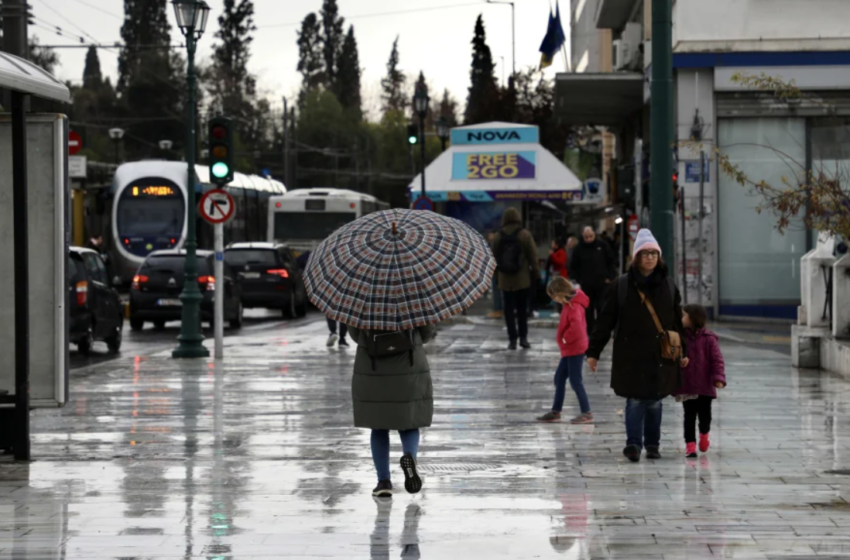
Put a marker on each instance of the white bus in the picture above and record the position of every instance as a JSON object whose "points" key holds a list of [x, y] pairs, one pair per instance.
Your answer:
{"points": [[304, 218]]}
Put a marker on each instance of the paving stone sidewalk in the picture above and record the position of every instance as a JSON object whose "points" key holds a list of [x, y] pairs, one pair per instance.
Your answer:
{"points": [[255, 457]]}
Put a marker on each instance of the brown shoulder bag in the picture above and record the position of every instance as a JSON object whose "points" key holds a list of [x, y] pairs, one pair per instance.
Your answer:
{"points": [[671, 341]]}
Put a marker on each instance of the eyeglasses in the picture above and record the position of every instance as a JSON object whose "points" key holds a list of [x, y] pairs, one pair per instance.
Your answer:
{"points": [[650, 254]]}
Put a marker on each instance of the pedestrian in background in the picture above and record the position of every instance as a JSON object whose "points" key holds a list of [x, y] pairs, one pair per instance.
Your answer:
{"points": [[640, 373], [705, 373], [572, 341], [558, 258], [593, 267], [494, 286], [572, 243], [519, 271], [333, 337], [391, 390]]}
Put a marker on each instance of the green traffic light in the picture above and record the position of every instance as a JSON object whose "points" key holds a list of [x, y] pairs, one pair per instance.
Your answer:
{"points": [[220, 170], [411, 139]]}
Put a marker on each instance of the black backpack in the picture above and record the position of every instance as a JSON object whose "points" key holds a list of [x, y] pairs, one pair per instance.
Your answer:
{"points": [[509, 254], [393, 343]]}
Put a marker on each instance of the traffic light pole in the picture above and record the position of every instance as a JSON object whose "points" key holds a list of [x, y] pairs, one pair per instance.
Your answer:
{"points": [[661, 126], [422, 149], [191, 339]]}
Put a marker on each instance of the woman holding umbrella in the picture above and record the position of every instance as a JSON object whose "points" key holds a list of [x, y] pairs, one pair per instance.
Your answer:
{"points": [[391, 276]]}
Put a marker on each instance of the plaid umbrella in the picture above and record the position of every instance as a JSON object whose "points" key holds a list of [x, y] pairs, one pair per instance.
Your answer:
{"points": [[399, 269]]}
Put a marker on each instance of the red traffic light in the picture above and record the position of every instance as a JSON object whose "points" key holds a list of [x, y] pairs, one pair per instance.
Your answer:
{"points": [[675, 177], [219, 132]]}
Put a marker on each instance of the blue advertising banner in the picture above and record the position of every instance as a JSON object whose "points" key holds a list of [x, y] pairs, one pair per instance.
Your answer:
{"points": [[474, 166], [526, 135], [692, 171]]}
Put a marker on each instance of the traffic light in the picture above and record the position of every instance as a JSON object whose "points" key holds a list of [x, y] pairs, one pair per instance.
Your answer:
{"points": [[221, 150], [412, 134]]}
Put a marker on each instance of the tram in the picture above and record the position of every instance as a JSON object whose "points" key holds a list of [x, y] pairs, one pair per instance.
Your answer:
{"points": [[149, 211]]}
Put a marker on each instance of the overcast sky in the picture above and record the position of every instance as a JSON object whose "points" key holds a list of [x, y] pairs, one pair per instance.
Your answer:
{"points": [[435, 36]]}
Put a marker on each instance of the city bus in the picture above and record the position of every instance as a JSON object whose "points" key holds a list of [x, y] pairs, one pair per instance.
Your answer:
{"points": [[303, 218]]}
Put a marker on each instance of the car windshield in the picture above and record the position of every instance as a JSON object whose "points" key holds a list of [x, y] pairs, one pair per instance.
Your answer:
{"points": [[173, 264], [242, 257]]}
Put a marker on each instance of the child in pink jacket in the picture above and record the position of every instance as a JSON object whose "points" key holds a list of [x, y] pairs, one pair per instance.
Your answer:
{"points": [[704, 373], [572, 340]]}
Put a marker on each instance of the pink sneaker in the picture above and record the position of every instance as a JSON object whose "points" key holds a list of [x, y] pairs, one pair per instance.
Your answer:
{"points": [[691, 450], [704, 443]]}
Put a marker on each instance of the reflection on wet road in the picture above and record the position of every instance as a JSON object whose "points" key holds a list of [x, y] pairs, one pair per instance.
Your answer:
{"points": [[255, 457]]}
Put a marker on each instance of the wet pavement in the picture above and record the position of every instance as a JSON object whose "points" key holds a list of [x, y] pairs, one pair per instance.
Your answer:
{"points": [[255, 457]]}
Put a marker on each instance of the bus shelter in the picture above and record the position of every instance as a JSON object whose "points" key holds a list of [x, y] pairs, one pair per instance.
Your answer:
{"points": [[33, 223], [496, 165]]}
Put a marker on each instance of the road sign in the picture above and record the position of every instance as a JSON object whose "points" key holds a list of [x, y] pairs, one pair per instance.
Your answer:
{"points": [[217, 206], [633, 227], [77, 167], [75, 143], [423, 203]]}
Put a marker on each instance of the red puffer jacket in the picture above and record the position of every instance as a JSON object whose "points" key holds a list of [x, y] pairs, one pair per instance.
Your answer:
{"points": [[572, 331]]}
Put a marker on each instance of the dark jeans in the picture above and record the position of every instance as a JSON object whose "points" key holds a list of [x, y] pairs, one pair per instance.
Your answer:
{"points": [[516, 313], [597, 301], [643, 423], [343, 329], [697, 408], [497, 293], [570, 368], [381, 449]]}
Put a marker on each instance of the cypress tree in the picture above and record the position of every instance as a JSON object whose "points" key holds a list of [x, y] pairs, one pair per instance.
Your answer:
{"points": [[483, 100], [348, 78]]}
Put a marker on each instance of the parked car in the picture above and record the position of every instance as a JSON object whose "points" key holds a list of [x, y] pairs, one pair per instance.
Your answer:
{"points": [[155, 292], [95, 308], [270, 277]]}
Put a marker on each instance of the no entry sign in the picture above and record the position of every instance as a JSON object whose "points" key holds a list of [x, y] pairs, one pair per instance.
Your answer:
{"points": [[75, 143], [217, 206], [633, 226]]}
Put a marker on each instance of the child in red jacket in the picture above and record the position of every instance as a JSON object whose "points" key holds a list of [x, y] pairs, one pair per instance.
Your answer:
{"points": [[572, 340]]}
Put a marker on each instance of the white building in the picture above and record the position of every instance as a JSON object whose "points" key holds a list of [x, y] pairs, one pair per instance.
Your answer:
{"points": [[748, 268]]}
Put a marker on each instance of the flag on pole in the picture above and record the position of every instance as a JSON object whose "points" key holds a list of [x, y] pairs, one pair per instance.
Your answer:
{"points": [[554, 39]]}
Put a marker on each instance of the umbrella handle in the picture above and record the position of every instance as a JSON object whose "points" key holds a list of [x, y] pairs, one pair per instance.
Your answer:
{"points": [[395, 232]]}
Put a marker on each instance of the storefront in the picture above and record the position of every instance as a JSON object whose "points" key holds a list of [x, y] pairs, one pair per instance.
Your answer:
{"points": [[493, 166]]}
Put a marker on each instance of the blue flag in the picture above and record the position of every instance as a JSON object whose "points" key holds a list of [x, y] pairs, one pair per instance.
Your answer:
{"points": [[554, 39]]}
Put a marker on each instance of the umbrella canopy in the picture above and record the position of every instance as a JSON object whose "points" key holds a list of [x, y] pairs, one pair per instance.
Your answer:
{"points": [[399, 269]]}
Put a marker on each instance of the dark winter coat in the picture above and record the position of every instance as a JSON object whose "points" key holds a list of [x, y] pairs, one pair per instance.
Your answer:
{"points": [[530, 270], [706, 367], [593, 265], [395, 395], [638, 371]]}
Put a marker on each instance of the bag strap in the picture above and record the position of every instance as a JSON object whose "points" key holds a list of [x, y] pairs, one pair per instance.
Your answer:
{"points": [[651, 309]]}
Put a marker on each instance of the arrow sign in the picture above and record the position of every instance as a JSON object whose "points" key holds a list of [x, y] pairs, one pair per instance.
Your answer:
{"points": [[217, 206]]}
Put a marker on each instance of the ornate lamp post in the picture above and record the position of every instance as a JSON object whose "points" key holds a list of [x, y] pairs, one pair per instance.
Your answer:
{"points": [[421, 101], [192, 19], [443, 131], [165, 146]]}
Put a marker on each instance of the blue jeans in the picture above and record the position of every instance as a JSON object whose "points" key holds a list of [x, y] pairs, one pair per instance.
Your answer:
{"points": [[643, 422], [570, 368], [381, 449], [497, 293]]}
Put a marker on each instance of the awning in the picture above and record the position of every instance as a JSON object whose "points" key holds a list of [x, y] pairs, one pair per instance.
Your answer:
{"points": [[497, 162], [598, 99], [614, 14], [24, 76]]}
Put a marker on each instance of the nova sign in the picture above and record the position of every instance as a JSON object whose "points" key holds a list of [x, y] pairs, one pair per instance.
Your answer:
{"points": [[520, 135]]}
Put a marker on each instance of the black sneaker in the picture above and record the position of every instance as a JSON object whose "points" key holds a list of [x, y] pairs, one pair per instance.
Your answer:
{"points": [[343, 343], [384, 489], [652, 453], [412, 482], [524, 343], [512, 345], [632, 453]]}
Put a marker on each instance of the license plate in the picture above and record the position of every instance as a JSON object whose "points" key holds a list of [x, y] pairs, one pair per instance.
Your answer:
{"points": [[169, 302], [250, 275]]}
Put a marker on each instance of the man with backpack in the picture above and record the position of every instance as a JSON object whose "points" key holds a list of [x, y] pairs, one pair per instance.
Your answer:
{"points": [[593, 266], [516, 257]]}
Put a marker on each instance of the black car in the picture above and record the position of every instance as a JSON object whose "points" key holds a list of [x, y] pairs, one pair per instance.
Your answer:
{"points": [[94, 306], [155, 292], [270, 277]]}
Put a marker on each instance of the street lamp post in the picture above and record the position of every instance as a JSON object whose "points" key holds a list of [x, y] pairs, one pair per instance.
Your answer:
{"points": [[513, 32], [116, 134], [443, 131], [165, 146], [420, 104], [192, 19]]}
